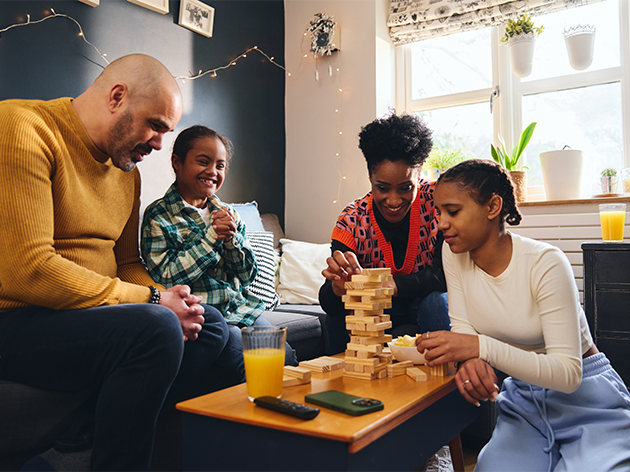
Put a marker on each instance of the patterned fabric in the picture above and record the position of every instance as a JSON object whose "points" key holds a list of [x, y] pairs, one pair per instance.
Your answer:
{"points": [[415, 20], [358, 229], [178, 248], [264, 286]]}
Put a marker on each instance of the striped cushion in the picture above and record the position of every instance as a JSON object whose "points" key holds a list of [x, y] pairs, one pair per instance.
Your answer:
{"points": [[263, 286]]}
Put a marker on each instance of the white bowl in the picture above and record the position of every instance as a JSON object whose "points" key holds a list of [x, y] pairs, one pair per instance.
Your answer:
{"points": [[402, 353]]}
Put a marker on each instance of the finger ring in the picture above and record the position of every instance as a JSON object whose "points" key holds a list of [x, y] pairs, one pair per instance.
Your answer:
{"points": [[464, 383], [427, 335]]}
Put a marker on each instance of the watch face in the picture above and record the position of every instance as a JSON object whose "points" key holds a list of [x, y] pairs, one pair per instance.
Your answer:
{"points": [[322, 39]]}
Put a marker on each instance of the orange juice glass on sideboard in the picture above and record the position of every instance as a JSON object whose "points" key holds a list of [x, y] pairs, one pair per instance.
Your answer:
{"points": [[263, 352], [612, 217]]}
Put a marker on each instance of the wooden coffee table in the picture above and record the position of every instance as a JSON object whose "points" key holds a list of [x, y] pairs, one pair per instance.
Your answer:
{"points": [[225, 431]]}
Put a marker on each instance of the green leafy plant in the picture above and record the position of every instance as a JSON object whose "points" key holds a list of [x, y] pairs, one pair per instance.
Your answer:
{"points": [[609, 172], [510, 161], [442, 159], [524, 25]]}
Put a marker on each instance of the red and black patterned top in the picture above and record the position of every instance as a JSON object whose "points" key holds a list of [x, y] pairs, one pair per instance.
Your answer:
{"points": [[358, 229]]}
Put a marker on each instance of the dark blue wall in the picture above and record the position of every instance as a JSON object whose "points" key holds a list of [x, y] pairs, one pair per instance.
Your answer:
{"points": [[245, 102]]}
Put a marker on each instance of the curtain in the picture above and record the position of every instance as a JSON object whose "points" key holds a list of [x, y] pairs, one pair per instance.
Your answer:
{"points": [[415, 20]]}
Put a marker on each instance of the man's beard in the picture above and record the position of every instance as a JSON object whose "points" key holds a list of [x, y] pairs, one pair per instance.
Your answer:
{"points": [[121, 147]]}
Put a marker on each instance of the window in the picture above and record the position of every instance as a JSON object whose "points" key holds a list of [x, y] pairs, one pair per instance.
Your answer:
{"points": [[449, 82]]}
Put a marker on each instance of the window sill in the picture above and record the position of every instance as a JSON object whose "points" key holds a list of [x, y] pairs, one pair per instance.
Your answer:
{"points": [[578, 201]]}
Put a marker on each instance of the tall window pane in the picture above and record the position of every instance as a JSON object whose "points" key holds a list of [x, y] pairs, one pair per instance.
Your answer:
{"points": [[466, 127], [588, 119], [451, 64]]}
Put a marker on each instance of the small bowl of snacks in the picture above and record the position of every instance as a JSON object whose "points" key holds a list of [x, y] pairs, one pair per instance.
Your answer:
{"points": [[404, 349]]}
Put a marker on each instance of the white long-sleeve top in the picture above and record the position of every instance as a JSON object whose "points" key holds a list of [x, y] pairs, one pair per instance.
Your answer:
{"points": [[529, 319]]}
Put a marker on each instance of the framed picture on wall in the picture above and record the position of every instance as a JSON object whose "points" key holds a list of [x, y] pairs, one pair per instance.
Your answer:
{"points": [[92, 3], [196, 16], [160, 6]]}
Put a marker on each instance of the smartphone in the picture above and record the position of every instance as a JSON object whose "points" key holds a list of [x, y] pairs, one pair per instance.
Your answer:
{"points": [[344, 402]]}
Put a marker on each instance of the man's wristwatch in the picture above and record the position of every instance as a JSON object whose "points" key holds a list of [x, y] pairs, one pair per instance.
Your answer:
{"points": [[155, 295]]}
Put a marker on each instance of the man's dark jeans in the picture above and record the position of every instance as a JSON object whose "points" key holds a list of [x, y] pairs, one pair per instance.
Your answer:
{"points": [[128, 355]]}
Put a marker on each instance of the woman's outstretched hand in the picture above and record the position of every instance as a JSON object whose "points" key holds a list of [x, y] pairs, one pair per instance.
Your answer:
{"points": [[341, 266]]}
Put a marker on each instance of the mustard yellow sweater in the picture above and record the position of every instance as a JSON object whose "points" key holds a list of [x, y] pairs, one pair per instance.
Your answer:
{"points": [[68, 217]]}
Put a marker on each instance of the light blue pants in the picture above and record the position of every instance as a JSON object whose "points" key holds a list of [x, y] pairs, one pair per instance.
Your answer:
{"points": [[545, 430]]}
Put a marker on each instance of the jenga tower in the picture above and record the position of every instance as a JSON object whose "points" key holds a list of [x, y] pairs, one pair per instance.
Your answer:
{"points": [[367, 297]]}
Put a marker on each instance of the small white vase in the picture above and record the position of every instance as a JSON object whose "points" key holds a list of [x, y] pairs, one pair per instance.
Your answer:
{"points": [[521, 49], [562, 173], [579, 41]]}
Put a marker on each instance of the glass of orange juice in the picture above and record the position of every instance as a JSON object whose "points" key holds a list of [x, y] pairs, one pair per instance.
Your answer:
{"points": [[612, 217], [263, 352]]}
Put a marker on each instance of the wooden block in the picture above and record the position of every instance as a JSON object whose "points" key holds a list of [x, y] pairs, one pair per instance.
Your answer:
{"points": [[351, 299], [417, 374], [367, 340], [440, 370], [384, 317], [366, 354], [363, 319], [374, 292], [368, 333], [355, 326], [350, 354], [367, 312], [297, 372], [398, 368], [386, 355], [371, 278], [373, 361], [382, 374], [377, 271], [361, 375], [383, 325], [374, 348], [323, 364], [362, 285], [293, 381], [366, 306]]}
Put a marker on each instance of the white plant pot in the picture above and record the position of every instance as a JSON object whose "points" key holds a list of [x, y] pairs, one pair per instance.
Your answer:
{"points": [[580, 41], [562, 173], [521, 49]]}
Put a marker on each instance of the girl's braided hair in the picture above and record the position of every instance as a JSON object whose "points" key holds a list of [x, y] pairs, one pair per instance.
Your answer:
{"points": [[483, 179]]}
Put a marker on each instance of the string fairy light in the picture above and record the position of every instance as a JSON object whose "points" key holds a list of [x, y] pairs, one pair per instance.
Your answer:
{"points": [[56, 15], [201, 73]]}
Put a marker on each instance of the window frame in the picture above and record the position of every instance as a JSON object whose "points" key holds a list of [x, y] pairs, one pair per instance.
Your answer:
{"points": [[507, 106]]}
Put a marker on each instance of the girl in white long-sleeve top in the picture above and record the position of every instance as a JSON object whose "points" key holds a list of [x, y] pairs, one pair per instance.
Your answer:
{"points": [[514, 306]]}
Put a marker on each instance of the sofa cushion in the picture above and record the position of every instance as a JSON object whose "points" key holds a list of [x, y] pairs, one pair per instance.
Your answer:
{"points": [[300, 275], [264, 284], [299, 326], [250, 215]]}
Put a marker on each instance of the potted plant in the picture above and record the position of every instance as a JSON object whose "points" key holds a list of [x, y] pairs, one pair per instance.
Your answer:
{"points": [[441, 159], [520, 36], [510, 161], [609, 180]]}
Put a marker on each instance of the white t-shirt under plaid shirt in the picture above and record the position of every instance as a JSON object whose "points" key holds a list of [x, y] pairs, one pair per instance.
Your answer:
{"points": [[179, 248]]}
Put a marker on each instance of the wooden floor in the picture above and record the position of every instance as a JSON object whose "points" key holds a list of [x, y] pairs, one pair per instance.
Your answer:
{"points": [[471, 447]]}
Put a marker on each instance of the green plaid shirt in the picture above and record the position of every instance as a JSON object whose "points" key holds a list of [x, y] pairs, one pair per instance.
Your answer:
{"points": [[178, 248]]}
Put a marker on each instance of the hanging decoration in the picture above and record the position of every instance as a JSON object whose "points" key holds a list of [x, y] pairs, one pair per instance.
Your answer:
{"points": [[201, 73], [322, 29]]}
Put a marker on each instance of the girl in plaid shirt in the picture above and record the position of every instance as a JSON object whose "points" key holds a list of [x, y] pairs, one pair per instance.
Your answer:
{"points": [[191, 235]]}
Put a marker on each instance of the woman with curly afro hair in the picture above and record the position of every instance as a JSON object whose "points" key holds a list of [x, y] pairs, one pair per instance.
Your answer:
{"points": [[393, 226]]}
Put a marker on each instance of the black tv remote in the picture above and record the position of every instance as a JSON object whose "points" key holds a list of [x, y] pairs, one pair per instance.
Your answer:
{"points": [[288, 408]]}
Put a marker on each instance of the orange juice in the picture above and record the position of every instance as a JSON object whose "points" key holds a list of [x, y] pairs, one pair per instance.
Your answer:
{"points": [[263, 369], [612, 225]]}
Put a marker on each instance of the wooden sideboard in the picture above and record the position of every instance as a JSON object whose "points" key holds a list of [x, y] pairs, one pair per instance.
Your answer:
{"points": [[607, 301]]}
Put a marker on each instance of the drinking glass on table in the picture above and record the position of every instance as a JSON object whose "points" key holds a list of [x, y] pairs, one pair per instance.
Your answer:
{"points": [[263, 352], [612, 217]]}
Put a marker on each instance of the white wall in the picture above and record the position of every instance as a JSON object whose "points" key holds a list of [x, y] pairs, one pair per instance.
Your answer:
{"points": [[366, 69]]}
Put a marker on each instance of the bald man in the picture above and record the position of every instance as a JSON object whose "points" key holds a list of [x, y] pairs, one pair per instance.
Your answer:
{"points": [[78, 310]]}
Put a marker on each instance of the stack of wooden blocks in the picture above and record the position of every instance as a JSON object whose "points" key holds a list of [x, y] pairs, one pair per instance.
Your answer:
{"points": [[367, 298]]}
